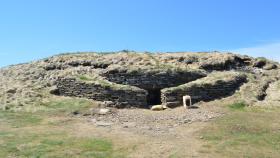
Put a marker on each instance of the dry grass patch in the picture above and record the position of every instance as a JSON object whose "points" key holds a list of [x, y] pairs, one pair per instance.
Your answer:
{"points": [[244, 132]]}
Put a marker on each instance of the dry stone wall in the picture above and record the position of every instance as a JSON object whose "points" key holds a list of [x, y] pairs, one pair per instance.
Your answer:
{"points": [[153, 79], [215, 86], [122, 97]]}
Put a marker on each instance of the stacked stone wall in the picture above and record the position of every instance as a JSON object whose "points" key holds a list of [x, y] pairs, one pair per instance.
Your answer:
{"points": [[206, 89], [121, 97], [153, 79]]}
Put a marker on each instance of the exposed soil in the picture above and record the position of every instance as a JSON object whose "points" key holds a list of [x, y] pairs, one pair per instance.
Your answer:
{"points": [[172, 132], [154, 123]]}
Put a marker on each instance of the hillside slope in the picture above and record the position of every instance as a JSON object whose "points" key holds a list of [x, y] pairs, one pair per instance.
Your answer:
{"points": [[114, 74]]}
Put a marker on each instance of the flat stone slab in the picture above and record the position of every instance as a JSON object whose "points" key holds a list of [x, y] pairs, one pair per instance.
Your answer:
{"points": [[103, 124], [129, 125]]}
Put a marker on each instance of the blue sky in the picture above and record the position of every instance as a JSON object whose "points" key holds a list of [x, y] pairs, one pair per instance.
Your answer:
{"points": [[33, 29]]}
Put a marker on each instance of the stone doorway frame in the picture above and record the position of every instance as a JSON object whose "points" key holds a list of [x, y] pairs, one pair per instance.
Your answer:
{"points": [[185, 98]]}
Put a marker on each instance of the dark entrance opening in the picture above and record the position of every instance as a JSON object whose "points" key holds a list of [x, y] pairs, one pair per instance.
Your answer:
{"points": [[154, 97]]}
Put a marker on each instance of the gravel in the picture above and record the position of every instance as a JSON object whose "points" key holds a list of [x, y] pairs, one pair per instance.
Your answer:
{"points": [[145, 121]]}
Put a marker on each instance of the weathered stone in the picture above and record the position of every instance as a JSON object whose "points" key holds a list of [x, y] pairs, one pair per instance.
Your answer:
{"points": [[158, 107], [119, 97], [172, 104], [270, 66], [54, 90], [104, 111], [213, 87], [260, 62], [151, 79], [12, 91], [99, 111], [129, 125], [103, 124], [50, 67]]}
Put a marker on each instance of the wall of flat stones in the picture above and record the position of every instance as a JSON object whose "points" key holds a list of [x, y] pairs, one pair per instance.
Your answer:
{"points": [[233, 62], [152, 79], [121, 98], [202, 91]]}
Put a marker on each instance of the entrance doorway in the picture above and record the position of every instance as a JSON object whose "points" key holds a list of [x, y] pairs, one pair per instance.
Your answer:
{"points": [[154, 97]]}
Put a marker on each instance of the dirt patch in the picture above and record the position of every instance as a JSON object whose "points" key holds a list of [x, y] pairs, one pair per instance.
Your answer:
{"points": [[144, 133], [147, 122], [184, 140]]}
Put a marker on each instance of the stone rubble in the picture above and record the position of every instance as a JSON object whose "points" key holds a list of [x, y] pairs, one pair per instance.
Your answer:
{"points": [[153, 123]]}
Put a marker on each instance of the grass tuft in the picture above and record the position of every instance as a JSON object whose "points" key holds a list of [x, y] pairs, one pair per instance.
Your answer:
{"points": [[20, 119], [85, 78], [238, 106]]}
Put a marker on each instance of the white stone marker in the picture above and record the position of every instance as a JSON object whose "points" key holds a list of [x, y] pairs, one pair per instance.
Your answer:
{"points": [[185, 98]]}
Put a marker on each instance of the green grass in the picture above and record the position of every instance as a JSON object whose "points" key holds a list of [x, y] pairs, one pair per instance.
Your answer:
{"points": [[174, 155], [85, 78], [28, 135], [20, 119], [53, 144], [70, 105], [244, 133], [237, 106]]}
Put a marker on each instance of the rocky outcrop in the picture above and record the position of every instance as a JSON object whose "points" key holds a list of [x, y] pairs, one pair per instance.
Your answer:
{"points": [[215, 86]]}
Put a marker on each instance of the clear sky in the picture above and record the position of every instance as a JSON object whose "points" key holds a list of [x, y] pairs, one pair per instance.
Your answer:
{"points": [[32, 29]]}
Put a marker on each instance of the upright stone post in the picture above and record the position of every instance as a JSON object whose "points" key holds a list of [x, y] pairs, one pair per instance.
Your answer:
{"points": [[185, 99]]}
